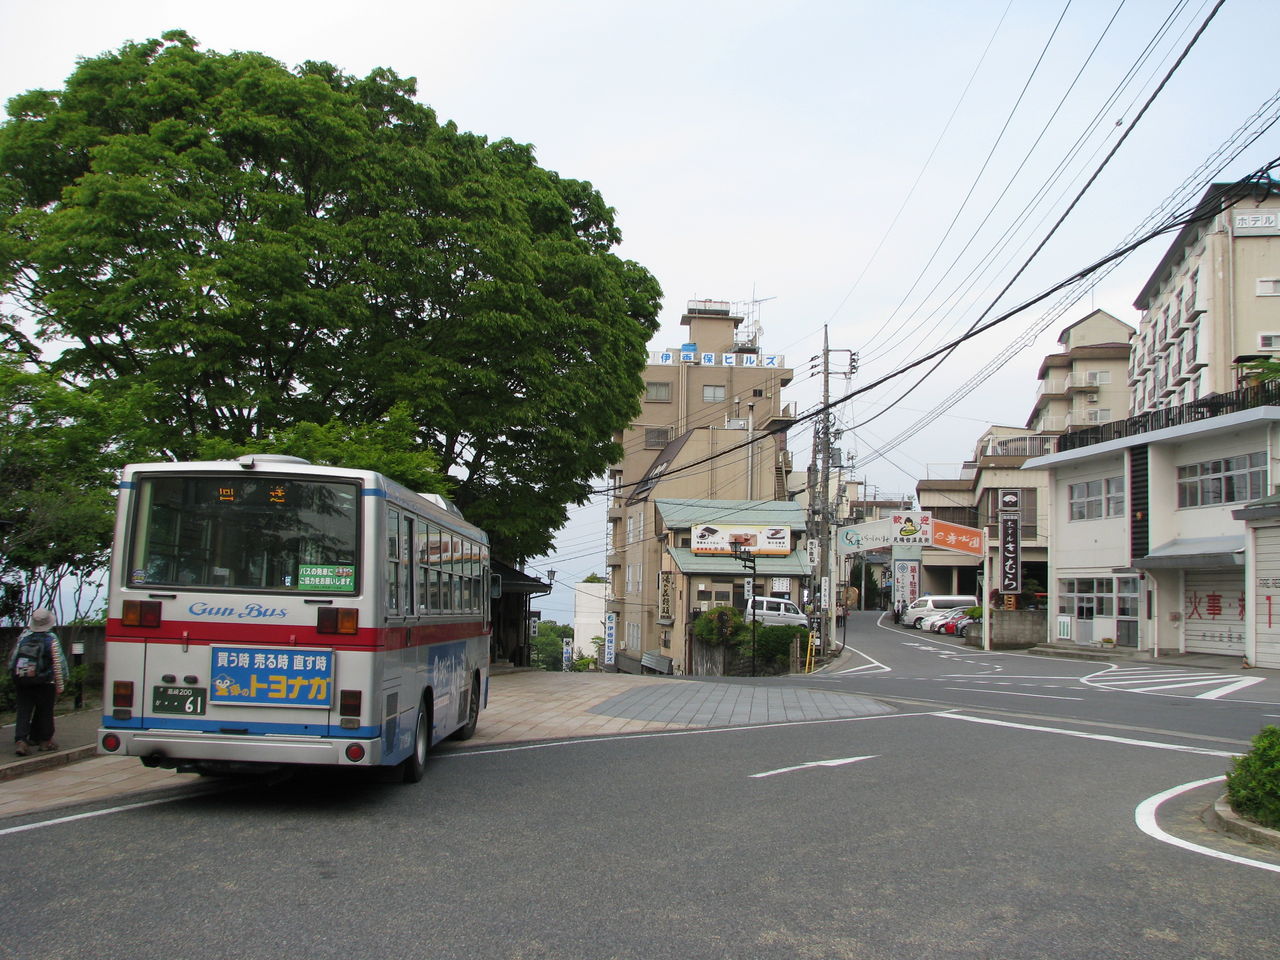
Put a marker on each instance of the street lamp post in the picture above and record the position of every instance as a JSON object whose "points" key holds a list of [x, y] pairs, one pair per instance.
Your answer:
{"points": [[748, 559]]}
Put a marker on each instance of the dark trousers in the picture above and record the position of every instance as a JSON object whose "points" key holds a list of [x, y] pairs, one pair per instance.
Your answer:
{"points": [[35, 713]]}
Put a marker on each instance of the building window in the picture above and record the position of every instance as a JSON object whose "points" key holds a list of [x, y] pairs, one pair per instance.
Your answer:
{"points": [[1268, 287], [1096, 377], [1087, 597], [657, 391], [655, 438], [712, 393], [1093, 499], [1229, 480]]}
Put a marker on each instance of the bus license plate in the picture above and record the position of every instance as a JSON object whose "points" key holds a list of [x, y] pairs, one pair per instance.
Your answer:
{"points": [[184, 700]]}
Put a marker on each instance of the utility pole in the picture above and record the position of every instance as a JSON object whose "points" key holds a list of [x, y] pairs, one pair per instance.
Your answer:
{"points": [[824, 504], [820, 516]]}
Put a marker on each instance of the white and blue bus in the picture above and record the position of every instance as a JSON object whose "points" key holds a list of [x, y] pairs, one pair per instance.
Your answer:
{"points": [[266, 611]]}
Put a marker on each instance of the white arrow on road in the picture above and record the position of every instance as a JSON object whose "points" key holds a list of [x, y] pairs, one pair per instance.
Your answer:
{"points": [[816, 763]]}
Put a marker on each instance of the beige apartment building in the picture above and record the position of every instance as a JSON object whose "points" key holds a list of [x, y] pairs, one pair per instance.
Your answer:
{"points": [[1087, 382], [712, 430], [1212, 302]]}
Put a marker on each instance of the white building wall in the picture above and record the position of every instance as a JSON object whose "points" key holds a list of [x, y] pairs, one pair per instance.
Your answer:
{"points": [[1085, 545], [588, 616]]}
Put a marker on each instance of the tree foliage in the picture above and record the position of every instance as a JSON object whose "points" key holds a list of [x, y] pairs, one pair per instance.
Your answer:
{"points": [[59, 449], [245, 254]]}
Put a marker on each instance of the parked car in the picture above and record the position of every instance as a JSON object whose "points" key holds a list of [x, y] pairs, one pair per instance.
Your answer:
{"points": [[946, 623], [773, 611], [953, 625], [974, 623], [925, 606], [931, 621]]}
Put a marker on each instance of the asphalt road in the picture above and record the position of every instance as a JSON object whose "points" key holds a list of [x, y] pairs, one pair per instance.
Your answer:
{"points": [[946, 828]]}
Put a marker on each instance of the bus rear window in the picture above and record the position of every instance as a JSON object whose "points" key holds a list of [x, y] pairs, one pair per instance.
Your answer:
{"points": [[240, 532]]}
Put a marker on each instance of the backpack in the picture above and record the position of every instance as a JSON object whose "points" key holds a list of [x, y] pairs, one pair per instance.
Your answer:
{"points": [[33, 664]]}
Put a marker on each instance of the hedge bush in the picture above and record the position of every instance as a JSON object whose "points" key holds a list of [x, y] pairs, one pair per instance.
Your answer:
{"points": [[1253, 783]]}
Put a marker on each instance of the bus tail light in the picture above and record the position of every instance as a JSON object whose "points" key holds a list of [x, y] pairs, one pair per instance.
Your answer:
{"points": [[122, 693], [355, 752], [349, 702], [141, 613], [337, 620], [111, 742]]}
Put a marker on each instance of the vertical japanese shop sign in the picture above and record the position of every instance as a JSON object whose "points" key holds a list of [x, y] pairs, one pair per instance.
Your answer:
{"points": [[906, 581], [610, 638], [1010, 553], [666, 595]]}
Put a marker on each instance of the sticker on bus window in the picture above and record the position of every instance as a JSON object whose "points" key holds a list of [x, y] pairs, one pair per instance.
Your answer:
{"points": [[326, 576], [268, 676]]}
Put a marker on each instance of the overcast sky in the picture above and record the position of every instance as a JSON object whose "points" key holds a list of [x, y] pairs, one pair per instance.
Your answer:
{"points": [[884, 169]]}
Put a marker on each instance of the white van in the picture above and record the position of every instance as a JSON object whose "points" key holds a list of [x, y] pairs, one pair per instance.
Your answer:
{"points": [[928, 606], [772, 611]]}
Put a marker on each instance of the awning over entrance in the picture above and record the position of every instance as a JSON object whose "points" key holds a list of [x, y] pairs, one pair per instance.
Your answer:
{"points": [[1195, 552]]}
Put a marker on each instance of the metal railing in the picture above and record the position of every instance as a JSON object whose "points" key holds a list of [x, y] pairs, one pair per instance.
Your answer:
{"points": [[1247, 398]]}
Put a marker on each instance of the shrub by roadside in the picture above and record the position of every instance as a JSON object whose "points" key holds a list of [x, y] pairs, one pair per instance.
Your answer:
{"points": [[1253, 782]]}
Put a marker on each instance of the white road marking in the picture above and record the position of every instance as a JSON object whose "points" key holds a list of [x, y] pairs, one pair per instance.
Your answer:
{"points": [[1180, 748], [1145, 817], [689, 732], [98, 813], [1230, 688], [815, 763], [1010, 693], [1149, 680]]}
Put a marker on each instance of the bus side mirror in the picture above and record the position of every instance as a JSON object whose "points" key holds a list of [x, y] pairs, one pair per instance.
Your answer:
{"points": [[495, 585]]}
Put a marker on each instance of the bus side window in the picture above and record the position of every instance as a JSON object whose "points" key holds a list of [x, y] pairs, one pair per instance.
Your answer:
{"points": [[407, 566], [393, 561]]}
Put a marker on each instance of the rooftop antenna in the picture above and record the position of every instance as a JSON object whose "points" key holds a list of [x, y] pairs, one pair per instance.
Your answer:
{"points": [[750, 311]]}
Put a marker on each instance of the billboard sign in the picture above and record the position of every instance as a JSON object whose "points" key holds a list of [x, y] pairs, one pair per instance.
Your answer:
{"points": [[953, 536], [711, 539], [901, 528]]}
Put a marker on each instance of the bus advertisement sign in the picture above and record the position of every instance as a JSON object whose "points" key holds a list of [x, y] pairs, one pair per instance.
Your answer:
{"points": [[272, 677]]}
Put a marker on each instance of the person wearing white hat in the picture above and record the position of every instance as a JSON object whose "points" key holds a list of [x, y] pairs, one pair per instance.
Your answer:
{"points": [[39, 671]]}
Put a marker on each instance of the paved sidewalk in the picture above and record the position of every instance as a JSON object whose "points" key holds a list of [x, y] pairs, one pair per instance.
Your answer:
{"points": [[523, 706]]}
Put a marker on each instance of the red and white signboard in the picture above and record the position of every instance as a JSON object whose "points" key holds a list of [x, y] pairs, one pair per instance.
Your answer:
{"points": [[953, 536]]}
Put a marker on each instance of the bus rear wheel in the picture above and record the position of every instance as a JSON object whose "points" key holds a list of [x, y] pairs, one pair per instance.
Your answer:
{"points": [[468, 729], [415, 765]]}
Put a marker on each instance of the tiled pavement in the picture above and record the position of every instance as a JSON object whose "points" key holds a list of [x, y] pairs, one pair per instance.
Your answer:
{"points": [[523, 706]]}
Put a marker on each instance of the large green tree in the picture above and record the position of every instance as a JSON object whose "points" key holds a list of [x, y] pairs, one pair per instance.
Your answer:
{"points": [[234, 249], [59, 449]]}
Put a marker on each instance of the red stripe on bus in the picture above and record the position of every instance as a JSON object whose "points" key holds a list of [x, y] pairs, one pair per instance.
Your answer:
{"points": [[203, 633]]}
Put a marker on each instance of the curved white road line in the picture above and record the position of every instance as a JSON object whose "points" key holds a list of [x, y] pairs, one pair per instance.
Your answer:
{"points": [[1145, 817]]}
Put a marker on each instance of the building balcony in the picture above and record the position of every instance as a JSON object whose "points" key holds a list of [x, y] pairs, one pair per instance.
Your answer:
{"points": [[1052, 387], [1246, 398]]}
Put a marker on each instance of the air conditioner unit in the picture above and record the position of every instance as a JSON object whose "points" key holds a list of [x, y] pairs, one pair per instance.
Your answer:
{"points": [[704, 605], [735, 423], [1092, 398]]}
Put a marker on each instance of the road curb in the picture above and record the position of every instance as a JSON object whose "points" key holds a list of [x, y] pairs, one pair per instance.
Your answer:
{"points": [[46, 761], [1220, 816]]}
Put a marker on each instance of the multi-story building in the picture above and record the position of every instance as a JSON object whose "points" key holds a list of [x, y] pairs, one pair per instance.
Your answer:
{"points": [[1087, 382], [1212, 302], [712, 428], [973, 500], [1147, 551], [1149, 545]]}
